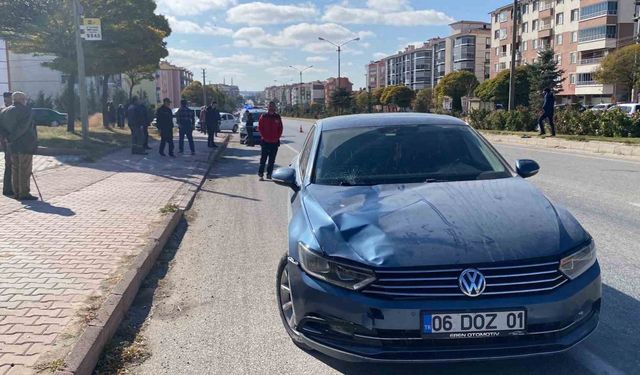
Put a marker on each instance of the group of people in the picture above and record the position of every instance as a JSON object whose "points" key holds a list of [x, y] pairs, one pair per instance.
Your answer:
{"points": [[186, 120], [116, 115], [19, 139]]}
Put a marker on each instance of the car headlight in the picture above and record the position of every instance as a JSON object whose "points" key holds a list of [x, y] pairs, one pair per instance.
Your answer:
{"points": [[577, 263], [349, 277]]}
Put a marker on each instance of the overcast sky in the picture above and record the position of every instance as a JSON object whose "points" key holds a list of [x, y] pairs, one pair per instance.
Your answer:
{"points": [[255, 42]]}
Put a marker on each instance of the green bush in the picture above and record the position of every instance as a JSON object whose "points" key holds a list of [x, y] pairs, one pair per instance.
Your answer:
{"points": [[615, 123], [497, 120], [478, 118]]}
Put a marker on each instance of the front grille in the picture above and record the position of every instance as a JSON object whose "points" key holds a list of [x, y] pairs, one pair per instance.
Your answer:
{"points": [[436, 282]]}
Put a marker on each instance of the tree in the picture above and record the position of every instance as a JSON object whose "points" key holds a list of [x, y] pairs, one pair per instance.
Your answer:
{"points": [[423, 100], [193, 93], [133, 36], [544, 73], [341, 99], [456, 85], [496, 90], [398, 95], [364, 101], [621, 67], [136, 76], [43, 101]]}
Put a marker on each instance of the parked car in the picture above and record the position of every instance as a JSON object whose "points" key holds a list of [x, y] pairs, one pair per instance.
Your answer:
{"points": [[256, 112], [48, 117], [628, 108], [228, 122], [601, 107], [412, 239], [574, 106]]}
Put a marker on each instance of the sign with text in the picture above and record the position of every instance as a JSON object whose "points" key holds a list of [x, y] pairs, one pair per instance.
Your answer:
{"points": [[91, 29]]}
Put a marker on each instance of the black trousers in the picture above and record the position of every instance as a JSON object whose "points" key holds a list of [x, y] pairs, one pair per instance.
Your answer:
{"points": [[7, 188], [549, 116], [210, 136], [166, 137], [249, 140], [268, 158], [186, 132], [136, 139], [145, 136]]}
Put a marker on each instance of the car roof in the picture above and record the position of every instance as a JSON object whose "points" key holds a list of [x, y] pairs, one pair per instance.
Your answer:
{"points": [[387, 119]]}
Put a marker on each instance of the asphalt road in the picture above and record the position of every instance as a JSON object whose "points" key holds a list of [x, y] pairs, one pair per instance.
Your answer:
{"points": [[215, 310]]}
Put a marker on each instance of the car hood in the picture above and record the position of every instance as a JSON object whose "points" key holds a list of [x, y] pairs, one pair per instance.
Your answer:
{"points": [[470, 222]]}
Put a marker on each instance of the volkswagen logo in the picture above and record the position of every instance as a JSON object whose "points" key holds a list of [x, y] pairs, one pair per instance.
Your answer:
{"points": [[472, 282]]}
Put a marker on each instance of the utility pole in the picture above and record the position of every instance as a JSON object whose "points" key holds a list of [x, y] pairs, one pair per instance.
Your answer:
{"points": [[512, 70], [82, 83], [204, 87]]}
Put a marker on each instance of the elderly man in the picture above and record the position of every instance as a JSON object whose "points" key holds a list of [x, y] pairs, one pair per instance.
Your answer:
{"points": [[23, 143], [7, 188]]}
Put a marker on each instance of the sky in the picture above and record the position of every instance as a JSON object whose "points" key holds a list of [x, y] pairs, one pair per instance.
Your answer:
{"points": [[255, 42]]}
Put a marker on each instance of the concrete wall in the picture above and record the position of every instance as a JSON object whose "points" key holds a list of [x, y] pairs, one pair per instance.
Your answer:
{"points": [[29, 76]]}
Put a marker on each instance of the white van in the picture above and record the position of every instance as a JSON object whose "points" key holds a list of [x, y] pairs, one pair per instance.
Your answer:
{"points": [[628, 108]]}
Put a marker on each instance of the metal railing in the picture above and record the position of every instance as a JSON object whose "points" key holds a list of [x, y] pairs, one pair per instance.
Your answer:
{"points": [[586, 83], [590, 61]]}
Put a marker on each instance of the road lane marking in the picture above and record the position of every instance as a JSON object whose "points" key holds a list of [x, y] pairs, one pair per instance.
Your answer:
{"points": [[580, 155], [594, 363], [634, 204], [291, 148]]}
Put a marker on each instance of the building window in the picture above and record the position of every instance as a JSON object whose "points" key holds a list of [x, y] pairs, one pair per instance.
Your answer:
{"points": [[598, 32], [572, 79], [574, 37], [559, 2], [534, 25], [488, 43], [573, 56], [559, 39], [560, 18], [575, 14], [525, 27], [497, 51], [535, 6], [599, 9], [524, 45], [525, 9], [536, 43], [558, 59], [502, 17]]}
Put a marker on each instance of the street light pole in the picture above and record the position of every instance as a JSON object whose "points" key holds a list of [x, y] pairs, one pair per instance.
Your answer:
{"points": [[512, 69], [339, 47], [82, 83]]}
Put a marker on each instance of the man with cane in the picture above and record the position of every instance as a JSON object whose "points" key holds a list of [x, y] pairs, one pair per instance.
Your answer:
{"points": [[7, 188]]}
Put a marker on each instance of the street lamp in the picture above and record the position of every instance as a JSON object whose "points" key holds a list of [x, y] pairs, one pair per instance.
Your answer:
{"points": [[339, 47]]}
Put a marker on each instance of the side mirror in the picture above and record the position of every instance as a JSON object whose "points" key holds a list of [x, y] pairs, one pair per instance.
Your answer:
{"points": [[285, 177], [527, 168]]}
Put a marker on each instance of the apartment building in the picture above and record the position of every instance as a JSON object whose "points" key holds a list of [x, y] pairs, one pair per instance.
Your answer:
{"points": [[331, 84], [170, 81], [466, 48], [308, 93], [581, 33]]}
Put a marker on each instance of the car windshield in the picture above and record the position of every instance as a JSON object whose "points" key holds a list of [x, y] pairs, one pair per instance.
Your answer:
{"points": [[405, 154], [624, 108]]}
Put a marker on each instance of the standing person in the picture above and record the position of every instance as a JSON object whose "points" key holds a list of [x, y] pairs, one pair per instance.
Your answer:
{"points": [[135, 121], [186, 122], [111, 113], [121, 115], [7, 187], [212, 121], [203, 119], [23, 142], [249, 126], [270, 127], [164, 121], [146, 113], [547, 112]]}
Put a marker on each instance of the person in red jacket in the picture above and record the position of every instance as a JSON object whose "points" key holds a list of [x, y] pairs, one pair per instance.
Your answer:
{"points": [[270, 127]]}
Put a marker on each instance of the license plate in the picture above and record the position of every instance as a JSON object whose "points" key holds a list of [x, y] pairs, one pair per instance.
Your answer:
{"points": [[473, 324]]}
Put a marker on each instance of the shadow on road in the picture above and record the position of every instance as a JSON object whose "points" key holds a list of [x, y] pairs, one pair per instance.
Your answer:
{"points": [[47, 208]]}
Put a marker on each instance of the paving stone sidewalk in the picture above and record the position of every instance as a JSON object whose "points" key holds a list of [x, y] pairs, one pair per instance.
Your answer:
{"points": [[58, 257]]}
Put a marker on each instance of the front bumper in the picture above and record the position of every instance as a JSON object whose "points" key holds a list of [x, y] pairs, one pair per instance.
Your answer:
{"points": [[354, 327]]}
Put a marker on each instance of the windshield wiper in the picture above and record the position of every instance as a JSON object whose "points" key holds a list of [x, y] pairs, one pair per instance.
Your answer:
{"points": [[430, 180]]}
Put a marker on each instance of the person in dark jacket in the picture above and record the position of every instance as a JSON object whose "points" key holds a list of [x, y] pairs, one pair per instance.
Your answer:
{"points": [[147, 113], [7, 188], [249, 126], [164, 121], [111, 113], [270, 127], [22, 138], [547, 112], [186, 119], [212, 120], [121, 114], [135, 120]]}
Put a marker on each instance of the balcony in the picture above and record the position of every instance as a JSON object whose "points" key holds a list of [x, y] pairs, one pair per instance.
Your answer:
{"points": [[591, 61], [586, 83], [545, 10]]}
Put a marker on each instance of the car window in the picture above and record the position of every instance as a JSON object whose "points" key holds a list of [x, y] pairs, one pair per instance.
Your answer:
{"points": [[624, 108], [405, 154], [306, 152]]}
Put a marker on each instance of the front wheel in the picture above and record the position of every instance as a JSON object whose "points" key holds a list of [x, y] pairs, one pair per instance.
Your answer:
{"points": [[235, 128], [285, 303]]}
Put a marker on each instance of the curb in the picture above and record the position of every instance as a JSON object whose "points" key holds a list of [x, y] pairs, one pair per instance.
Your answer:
{"points": [[87, 350]]}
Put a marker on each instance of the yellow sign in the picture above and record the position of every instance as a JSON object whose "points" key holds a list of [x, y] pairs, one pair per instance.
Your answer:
{"points": [[91, 29]]}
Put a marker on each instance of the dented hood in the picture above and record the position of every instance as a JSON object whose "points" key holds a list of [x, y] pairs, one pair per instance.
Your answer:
{"points": [[447, 223]]}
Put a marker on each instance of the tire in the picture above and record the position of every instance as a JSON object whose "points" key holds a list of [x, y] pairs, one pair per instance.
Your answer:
{"points": [[235, 128], [280, 294], [55, 124]]}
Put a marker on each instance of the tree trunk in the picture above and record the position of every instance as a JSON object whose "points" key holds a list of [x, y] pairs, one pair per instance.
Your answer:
{"points": [[132, 84], [104, 99], [71, 103]]}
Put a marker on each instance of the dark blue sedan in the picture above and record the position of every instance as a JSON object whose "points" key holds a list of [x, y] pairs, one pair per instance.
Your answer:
{"points": [[412, 239]]}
